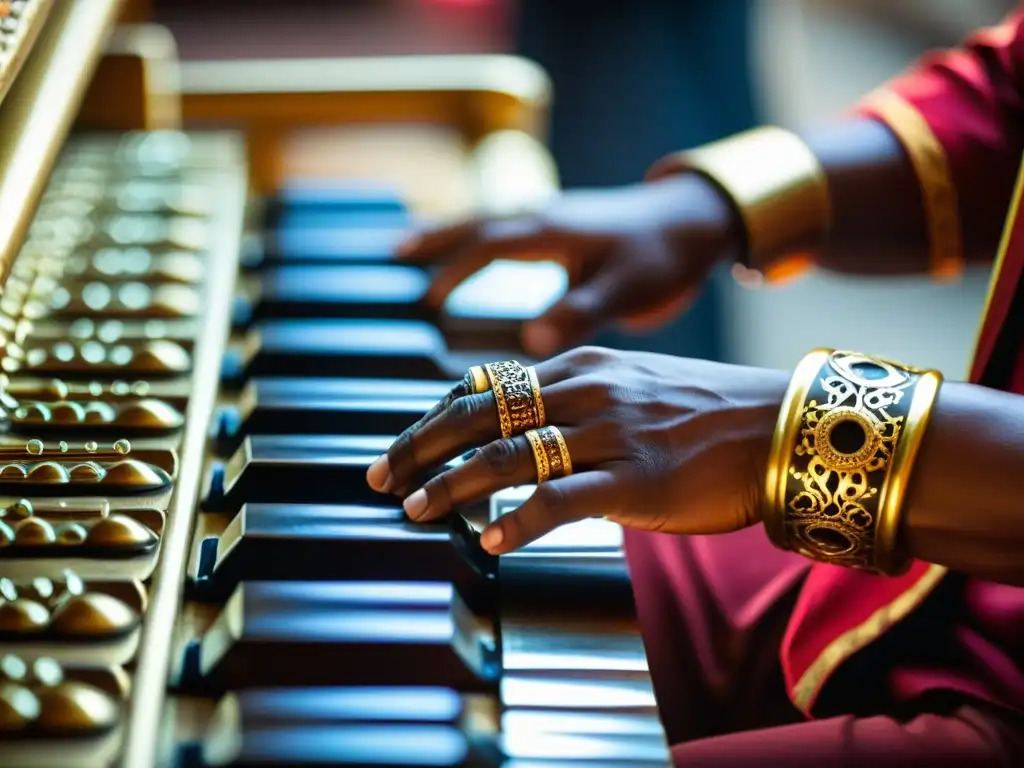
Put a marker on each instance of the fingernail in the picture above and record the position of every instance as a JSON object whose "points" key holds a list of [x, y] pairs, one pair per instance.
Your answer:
{"points": [[416, 504], [492, 538], [378, 475], [408, 246], [541, 340]]}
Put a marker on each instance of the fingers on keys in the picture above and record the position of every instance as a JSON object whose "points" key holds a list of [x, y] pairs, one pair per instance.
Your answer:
{"points": [[553, 504], [458, 423], [466, 248], [498, 465]]}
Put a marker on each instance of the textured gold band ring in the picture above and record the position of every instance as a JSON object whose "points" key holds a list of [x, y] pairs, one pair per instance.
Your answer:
{"points": [[550, 453], [517, 396]]}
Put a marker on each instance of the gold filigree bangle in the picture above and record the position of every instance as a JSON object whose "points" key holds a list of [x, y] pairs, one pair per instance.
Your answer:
{"points": [[519, 404], [843, 450], [777, 185], [550, 453]]}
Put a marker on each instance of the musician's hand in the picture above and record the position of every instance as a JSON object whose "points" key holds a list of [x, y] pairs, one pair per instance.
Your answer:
{"points": [[657, 442], [635, 255]]}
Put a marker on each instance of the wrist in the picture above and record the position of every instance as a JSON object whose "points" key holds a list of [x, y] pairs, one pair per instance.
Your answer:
{"points": [[776, 187], [772, 388], [700, 220]]}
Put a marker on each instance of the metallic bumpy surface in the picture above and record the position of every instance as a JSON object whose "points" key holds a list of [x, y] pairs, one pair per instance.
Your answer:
{"points": [[514, 396], [848, 418], [550, 453]]}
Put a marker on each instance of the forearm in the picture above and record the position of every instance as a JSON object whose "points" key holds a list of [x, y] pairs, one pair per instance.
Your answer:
{"points": [[965, 507], [918, 178], [878, 221]]}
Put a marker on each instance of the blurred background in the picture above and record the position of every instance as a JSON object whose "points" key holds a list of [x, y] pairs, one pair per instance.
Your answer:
{"points": [[634, 79]]}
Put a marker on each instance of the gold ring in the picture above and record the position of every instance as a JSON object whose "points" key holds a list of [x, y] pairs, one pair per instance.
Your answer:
{"points": [[478, 380], [550, 453], [517, 396]]}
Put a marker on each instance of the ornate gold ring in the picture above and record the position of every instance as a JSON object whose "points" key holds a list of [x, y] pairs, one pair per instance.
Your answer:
{"points": [[550, 453], [517, 396]]}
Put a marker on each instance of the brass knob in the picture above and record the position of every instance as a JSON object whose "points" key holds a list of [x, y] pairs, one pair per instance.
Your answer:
{"points": [[73, 708], [47, 473], [121, 531], [20, 509], [162, 357], [131, 473], [93, 614], [19, 707], [33, 532], [23, 616], [86, 472], [149, 414], [71, 533]]}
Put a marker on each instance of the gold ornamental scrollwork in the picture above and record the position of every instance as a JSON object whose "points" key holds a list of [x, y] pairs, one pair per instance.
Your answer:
{"points": [[830, 482]]}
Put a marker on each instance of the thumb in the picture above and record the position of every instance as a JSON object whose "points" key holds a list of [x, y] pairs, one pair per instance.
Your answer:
{"points": [[578, 315]]}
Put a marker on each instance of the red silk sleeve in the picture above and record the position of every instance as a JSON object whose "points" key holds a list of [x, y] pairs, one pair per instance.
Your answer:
{"points": [[971, 102]]}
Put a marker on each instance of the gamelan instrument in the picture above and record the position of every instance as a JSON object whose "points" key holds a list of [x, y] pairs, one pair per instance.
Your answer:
{"points": [[205, 341]]}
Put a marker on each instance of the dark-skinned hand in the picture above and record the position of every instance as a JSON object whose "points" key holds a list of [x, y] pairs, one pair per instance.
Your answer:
{"points": [[635, 255], [657, 442]]}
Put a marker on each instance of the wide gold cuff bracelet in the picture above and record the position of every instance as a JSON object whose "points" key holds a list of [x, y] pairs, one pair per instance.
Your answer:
{"points": [[776, 184], [844, 447]]}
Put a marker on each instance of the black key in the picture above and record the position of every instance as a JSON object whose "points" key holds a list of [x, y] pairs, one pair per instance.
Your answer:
{"points": [[366, 292], [300, 469], [320, 246], [335, 201], [327, 706], [294, 726], [394, 389], [273, 634], [271, 542], [358, 745], [587, 582], [283, 406], [339, 348], [330, 225]]}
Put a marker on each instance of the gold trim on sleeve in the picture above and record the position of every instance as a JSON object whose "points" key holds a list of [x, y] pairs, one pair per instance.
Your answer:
{"points": [[934, 176], [806, 689]]}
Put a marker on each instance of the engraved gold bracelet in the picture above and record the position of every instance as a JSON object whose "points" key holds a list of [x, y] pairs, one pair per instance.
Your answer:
{"points": [[777, 186], [848, 433]]}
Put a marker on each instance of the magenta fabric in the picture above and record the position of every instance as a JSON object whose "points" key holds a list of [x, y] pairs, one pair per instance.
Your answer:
{"points": [[713, 611]]}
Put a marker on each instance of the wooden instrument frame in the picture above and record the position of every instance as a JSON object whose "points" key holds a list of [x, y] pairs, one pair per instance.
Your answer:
{"points": [[40, 107], [478, 95]]}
